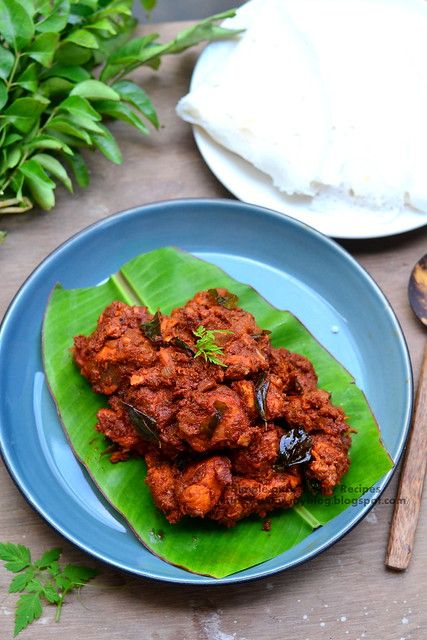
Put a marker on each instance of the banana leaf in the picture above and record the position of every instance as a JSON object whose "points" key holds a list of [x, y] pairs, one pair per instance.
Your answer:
{"points": [[164, 279]]}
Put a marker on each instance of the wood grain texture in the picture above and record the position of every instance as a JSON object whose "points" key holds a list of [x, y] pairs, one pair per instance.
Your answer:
{"points": [[347, 588], [411, 482]]}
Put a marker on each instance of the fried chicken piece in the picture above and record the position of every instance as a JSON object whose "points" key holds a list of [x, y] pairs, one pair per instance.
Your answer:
{"points": [[329, 432], [162, 477], [246, 390], [201, 485], [214, 419], [329, 461], [291, 372], [246, 496], [180, 370], [158, 404], [116, 347], [245, 348], [258, 459], [116, 425], [193, 492]]}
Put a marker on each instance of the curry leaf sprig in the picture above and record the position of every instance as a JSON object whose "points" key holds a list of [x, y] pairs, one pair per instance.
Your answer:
{"points": [[63, 74], [206, 345], [39, 582]]}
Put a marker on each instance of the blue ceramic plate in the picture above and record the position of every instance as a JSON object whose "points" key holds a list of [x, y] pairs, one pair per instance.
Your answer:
{"points": [[292, 265]]}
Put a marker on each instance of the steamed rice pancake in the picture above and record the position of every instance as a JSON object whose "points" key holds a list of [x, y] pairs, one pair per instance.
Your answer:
{"points": [[325, 95]]}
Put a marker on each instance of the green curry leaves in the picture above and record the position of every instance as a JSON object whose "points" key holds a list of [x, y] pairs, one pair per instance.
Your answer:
{"points": [[62, 77]]}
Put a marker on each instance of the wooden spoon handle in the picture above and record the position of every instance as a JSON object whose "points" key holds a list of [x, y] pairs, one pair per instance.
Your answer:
{"points": [[407, 507]]}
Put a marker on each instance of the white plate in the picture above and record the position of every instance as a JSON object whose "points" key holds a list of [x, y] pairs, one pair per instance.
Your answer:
{"points": [[338, 219]]}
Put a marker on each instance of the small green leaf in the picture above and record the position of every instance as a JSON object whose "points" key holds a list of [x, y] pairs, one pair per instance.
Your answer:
{"points": [[83, 38], [79, 575], [95, 90], [85, 123], [80, 107], [32, 170], [28, 609], [206, 30], [11, 138], [134, 50], [16, 24], [43, 48], [24, 112], [34, 586], [79, 169], [29, 78], [136, 96], [13, 157], [20, 581], [53, 568], [103, 25], [64, 125], [49, 142], [16, 554], [55, 87], [73, 73], [55, 168], [51, 594], [107, 145], [52, 555], [28, 6], [17, 184], [121, 111], [6, 62], [3, 94], [56, 21], [121, 8], [3, 235], [42, 194], [70, 54]]}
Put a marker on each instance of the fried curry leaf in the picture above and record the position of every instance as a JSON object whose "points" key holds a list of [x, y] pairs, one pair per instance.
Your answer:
{"points": [[228, 300], [151, 329], [212, 423], [145, 425], [261, 390], [177, 342], [294, 448]]}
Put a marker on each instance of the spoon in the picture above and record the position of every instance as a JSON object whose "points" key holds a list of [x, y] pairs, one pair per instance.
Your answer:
{"points": [[407, 507]]}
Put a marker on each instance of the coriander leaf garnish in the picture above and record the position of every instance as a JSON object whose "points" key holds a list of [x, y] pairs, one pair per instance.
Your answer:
{"points": [[39, 582], [206, 345]]}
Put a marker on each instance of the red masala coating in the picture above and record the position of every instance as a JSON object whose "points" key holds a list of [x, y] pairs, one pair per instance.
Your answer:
{"points": [[214, 448]]}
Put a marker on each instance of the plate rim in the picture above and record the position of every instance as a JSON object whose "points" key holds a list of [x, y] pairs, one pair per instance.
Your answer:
{"points": [[197, 579]]}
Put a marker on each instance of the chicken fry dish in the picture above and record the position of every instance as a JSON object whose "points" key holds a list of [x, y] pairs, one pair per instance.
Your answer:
{"points": [[228, 425]]}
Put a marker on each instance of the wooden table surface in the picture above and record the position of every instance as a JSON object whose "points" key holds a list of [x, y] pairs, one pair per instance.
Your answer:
{"points": [[345, 593]]}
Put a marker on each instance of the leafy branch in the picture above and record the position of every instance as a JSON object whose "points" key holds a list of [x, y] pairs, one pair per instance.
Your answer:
{"points": [[63, 69], [41, 581], [206, 345]]}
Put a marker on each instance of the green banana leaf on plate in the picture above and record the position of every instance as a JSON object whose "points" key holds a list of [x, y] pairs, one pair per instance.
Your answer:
{"points": [[164, 279]]}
